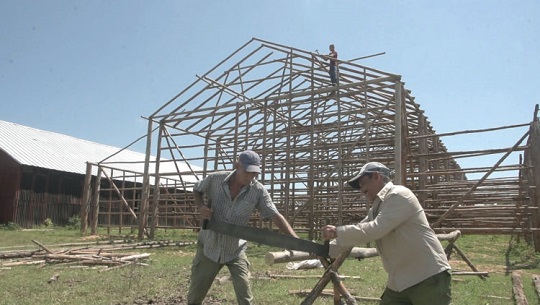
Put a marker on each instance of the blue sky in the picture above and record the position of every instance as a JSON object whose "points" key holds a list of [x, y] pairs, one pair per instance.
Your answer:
{"points": [[92, 69]]}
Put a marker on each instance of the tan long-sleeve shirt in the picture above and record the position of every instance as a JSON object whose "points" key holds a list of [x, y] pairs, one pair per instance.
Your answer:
{"points": [[409, 248]]}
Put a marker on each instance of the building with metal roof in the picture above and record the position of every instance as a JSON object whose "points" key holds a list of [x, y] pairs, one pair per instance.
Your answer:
{"points": [[42, 173]]}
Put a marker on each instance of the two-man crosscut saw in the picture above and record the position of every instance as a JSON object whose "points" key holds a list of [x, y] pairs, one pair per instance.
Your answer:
{"points": [[268, 237]]}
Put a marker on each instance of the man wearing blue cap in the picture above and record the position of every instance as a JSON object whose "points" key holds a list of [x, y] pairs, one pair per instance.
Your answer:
{"points": [[418, 270], [233, 197]]}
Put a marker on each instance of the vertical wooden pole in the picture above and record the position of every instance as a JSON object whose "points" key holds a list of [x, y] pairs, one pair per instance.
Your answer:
{"points": [[311, 180], [398, 141], [86, 198], [95, 202], [143, 211], [534, 190], [155, 198], [340, 157], [422, 161]]}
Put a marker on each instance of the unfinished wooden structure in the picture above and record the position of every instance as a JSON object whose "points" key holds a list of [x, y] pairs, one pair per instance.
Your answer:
{"points": [[278, 101]]}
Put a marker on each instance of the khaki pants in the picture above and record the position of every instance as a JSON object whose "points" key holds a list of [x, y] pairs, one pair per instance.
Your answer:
{"points": [[433, 290], [204, 271]]}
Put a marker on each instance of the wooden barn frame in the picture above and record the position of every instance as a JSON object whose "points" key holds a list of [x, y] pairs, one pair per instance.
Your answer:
{"points": [[278, 101]]}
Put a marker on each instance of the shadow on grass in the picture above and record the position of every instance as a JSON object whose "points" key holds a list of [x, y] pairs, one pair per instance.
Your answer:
{"points": [[520, 256]]}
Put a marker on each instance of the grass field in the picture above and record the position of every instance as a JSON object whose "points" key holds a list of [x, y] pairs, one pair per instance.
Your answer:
{"points": [[164, 279]]}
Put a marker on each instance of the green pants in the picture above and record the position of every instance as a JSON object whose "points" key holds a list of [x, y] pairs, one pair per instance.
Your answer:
{"points": [[433, 290], [204, 271]]}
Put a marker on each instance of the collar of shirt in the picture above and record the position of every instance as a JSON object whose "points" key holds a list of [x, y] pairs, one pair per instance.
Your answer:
{"points": [[231, 174], [384, 191], [380, 197]]}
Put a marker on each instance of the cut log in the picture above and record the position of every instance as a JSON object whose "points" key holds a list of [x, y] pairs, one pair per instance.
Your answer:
{"points": [[519, 294], [135, 257], [452, 236], [356, 252], [536, 281], [292, 256], [68, 257], [20, 263], [115, 267], [19, 254], [94, 262]]}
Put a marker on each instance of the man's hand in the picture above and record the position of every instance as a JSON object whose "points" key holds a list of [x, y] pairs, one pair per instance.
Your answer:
{"points": [[205, 211], [329, 232]]}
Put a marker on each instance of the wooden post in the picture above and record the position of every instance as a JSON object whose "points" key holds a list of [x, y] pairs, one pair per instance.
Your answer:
{"points": [[534, 190], [86, 198], [398, 141], [157, 192], [143, 212], [422, 161], [95, 202]]}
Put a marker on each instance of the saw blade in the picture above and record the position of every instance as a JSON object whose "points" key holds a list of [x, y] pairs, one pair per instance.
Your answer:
{"points": [[268, 237]]}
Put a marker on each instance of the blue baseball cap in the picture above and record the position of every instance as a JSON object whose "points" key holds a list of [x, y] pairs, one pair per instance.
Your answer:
{"points": [[251, 161]]}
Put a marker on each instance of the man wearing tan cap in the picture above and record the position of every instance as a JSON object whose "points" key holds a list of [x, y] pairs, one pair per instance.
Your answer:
{"points": [[417, 267], [233, 197]]}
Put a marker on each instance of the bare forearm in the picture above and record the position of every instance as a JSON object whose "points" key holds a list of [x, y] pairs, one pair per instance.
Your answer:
{"points": [[283, 225]]}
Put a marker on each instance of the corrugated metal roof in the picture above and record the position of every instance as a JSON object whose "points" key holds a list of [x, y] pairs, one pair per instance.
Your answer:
{"points": [[39, 148]]}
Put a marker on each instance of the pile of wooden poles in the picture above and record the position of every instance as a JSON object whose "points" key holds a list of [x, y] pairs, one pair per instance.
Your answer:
{"points": [[99, 255]]}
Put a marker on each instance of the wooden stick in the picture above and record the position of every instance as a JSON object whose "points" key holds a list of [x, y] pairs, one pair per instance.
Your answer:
{"points": [[466, 259], [135, 257], [339, 287], [115, 267], [481, 274], [498, 297], [41, 246], [328, 292], [329, 275], [19, 254], [11, 264]]}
